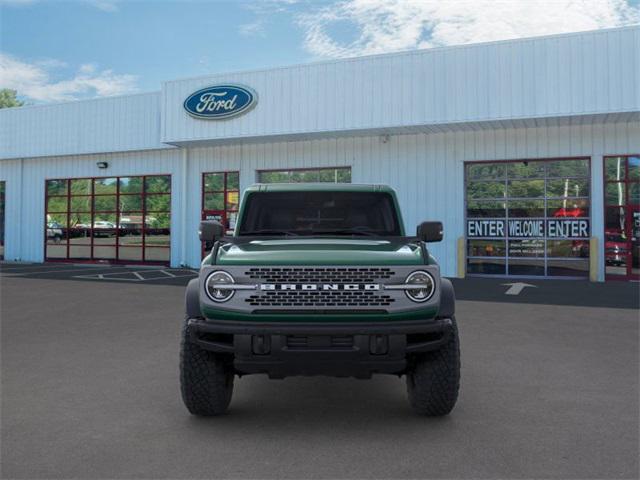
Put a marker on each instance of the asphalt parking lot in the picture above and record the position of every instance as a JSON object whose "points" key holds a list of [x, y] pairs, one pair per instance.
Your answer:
{"points": [[101, 273], [89, 370]]}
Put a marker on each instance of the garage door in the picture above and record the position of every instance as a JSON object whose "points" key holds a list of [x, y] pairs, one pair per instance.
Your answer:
{"points": [[115, 219], [528, 218]]}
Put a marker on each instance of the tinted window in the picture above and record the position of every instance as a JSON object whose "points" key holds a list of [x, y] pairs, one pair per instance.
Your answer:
{"points": [[105, 186], [615, 193], [485, 171], [117, 218], [526, 169], [634, 168], [158, 184], [568, 188], [81, 186], [331, 213], [131, 185], [526, 208], [526, 248], [529, 212], [480, 208], [57, 187], [568, 208], [486, 266], [614, 168], [486, 248], [525, 188], [213, 182], [486, 190], [568, 168], [324, 175]]}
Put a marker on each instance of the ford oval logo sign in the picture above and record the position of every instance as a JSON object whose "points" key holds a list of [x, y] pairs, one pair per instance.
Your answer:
{"points": [[220, 101]]}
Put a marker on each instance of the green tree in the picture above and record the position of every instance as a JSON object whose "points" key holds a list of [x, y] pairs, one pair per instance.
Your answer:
{"points": [[8, 98]]}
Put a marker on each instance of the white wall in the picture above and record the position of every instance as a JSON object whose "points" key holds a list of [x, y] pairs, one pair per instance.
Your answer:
{"points": [[11, 174], [130, 122], [555, 76], [25, 192], [578, 76], [425, 169]]}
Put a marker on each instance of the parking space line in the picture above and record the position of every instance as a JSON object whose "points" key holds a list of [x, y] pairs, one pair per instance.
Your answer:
{"points": [[147, 267], [60, 270], [96, 272], [108, 276], [162, 278], [103, 277], [137, 276]]}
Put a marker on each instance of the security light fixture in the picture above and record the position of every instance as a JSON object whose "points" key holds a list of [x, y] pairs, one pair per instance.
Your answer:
{"points": [[102, 165]]}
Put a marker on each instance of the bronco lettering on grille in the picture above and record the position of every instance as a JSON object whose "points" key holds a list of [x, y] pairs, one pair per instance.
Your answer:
{"points": [[321, 286]]}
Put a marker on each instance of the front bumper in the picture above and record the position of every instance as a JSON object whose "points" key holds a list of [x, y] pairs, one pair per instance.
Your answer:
{"points": [[335, 349]]}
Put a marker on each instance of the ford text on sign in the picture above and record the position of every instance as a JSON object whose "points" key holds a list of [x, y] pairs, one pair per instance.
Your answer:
{"points": [[220, 101], [525, 228]]}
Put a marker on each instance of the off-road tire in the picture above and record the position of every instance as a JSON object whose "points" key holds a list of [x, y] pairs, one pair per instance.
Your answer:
{"points": [[433, 379], [206, 380]]}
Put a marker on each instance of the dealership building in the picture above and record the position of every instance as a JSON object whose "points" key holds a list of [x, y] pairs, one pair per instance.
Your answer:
{"points": [[527, 150]]}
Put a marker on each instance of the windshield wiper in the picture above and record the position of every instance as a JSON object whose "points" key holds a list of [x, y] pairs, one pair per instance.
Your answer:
{"points": [[268, 231]]}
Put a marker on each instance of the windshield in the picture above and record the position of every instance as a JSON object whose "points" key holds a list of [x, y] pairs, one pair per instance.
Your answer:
{"points": [[320, 213]]}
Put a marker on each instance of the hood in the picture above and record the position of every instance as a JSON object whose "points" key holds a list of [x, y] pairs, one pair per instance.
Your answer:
{"points": [[321, 251]]}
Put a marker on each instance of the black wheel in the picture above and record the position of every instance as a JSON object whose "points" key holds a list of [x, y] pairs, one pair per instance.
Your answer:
{"points": [[206, 380], [433, 379]]}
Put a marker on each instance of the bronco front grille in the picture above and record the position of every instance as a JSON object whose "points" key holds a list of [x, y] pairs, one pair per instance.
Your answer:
{"points": [[319, 274], [335, 298]]}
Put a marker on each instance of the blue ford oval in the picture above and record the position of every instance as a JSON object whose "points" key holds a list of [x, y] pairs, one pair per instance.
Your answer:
{"points": [[220, 101]]}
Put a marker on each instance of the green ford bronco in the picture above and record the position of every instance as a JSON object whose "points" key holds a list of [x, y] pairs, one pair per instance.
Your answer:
{"points": [[319, 279]]}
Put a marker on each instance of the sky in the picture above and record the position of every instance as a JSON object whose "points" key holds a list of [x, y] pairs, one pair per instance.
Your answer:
{"points": [[54, 50]]}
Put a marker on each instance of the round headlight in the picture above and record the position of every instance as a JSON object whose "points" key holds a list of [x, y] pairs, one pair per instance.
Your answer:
{"points": [[425, 286], [213, 284]]}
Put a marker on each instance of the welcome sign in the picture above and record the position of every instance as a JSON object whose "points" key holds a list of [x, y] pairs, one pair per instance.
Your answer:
{"points": [[220, 102], [528, 228]]}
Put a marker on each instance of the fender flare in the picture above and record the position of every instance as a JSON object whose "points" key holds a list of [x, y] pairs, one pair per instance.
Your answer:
{"points": [[192, 299], [447, 299]]}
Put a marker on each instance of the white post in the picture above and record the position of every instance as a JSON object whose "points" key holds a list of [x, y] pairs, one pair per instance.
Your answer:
{"points": [[597, 211]]}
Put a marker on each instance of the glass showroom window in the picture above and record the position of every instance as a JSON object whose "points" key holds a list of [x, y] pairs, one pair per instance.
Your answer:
{"points": [[119, 219], [528, 218], [324, 175], [622, 217], [220, 199]]}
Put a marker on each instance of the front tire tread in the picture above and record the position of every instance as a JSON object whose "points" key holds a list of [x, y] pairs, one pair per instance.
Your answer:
{"points": [[206, 382]]}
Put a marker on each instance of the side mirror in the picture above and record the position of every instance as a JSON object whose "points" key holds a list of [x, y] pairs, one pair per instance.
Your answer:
{"points": [[210, 231], [430, 231]]}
